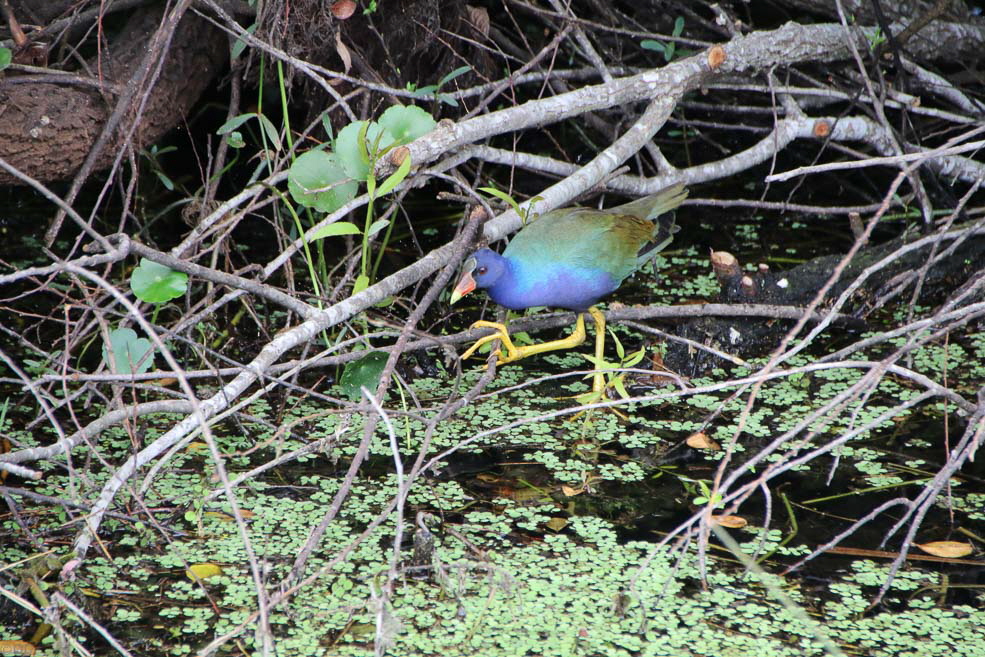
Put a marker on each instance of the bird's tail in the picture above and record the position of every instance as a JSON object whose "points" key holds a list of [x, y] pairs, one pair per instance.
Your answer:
{"points": [[650, 207], [657, 207]]}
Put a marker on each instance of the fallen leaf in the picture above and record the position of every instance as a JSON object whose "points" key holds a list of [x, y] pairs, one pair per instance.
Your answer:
{"points": [[557, 524], [198, 571], [700, 440], [950, 549], [732, 522], [344, 53], [16, 648], [343, 9], [479, 18]]}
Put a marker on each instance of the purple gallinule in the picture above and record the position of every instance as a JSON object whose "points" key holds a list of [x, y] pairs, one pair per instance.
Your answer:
{"points": [[569, 258]]}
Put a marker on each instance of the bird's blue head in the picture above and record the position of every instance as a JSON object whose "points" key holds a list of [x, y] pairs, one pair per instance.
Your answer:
{"points": [[483, 269]]}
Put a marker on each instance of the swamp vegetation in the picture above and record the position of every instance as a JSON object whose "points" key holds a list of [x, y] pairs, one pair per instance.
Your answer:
{"points": [[233, 415]]}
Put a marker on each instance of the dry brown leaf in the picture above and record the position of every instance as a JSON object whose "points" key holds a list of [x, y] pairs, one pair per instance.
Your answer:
{"points": [[343, 53], [732, 522], [479, 17], [343, 9], [700, 440], [949, 549], [557, 524], [571, 492], [17, 648]]}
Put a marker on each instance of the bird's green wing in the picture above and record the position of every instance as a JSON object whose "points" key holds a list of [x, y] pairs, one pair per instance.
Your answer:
{"points": [[582, 237]]}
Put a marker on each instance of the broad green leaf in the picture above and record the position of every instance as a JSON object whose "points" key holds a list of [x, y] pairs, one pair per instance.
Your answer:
{"points": [[362, 282], [352, 150], [317, 180], [6, 56], [364, 372], [128, 354], [406, 124], [337, 228], [156, 283]]}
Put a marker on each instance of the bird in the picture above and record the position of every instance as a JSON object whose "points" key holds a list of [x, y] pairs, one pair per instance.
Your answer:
{"points": [[569, 258]]}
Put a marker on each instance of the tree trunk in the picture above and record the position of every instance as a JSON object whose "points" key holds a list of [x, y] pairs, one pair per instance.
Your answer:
{"points": [[49, 124]]}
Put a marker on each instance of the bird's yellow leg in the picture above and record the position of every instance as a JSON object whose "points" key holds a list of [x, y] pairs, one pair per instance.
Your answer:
{"points": [[598, 381], [501, 334], [514, 352]]}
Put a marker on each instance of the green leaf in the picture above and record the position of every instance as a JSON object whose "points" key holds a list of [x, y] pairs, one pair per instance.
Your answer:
{"points": [[448, 99], [362, 282], [424, 92], [353, 142], [394, 178], [130, 354], [620, 387], [240, 45], [589, 398], [461, 70], [334, 229], [406, 124], [650, 44], [678, 26], [6, 56], [377, 226], [168, 184], [326, 124], [634, 358], [271, 131], [620, 350], [599, 363], [503, 196], [156, 283], [317, 180], [234, 123], [341, 586], [364, 372]]}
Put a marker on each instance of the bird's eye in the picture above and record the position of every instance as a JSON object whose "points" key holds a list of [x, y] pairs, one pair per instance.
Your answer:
{"points": [[481, 270]]}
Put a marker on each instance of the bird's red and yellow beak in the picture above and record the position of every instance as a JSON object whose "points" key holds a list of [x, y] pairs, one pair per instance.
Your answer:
{"points": [[466, 283]]}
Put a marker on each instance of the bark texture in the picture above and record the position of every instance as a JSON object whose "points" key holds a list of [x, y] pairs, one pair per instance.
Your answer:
{"points": [[50, 122]]}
